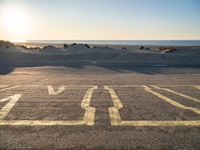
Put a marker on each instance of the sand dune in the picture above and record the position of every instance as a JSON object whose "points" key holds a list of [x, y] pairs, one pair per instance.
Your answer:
{"points": [[80, 53]]}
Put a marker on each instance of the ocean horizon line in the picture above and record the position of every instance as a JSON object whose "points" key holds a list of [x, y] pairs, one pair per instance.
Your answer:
{"points": [[119, 42]]}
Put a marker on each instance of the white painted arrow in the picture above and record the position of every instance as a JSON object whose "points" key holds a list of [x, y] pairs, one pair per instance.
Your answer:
{"points": [[51, 90]]}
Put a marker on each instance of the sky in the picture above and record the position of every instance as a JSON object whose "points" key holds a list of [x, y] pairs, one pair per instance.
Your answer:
{"points": [[99, 19]]}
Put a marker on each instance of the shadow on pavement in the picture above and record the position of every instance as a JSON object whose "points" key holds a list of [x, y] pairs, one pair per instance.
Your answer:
{"points": [[149, 64], [6, 70], [117, 68]]}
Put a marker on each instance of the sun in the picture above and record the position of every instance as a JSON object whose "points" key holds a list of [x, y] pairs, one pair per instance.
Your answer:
{"points": [[16, 22]]}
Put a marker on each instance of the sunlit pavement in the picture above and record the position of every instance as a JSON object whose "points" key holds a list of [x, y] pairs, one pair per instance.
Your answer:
{"points": [[94, 107]]}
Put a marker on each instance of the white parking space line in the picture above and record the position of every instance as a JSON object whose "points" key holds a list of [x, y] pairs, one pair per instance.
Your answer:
{"points": [[67, 86], [8, 107], [116, 119], [175, 85], [114, 111], [51, 90], [89, 115], [160, 123], [177, 93], [13, 87], [3, 86], [170, 101], [160, 85], [123, 86], [41, 122], [196, 87], [88, 118]]}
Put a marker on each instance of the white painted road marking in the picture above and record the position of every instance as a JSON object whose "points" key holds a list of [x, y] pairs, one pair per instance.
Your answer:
{"points": [[3, 86], [177, 93], [197, 87], [51, 91], [123, 86], [88, 118], [8, 107], [174, 85], [116, 119], [114, 111], [160, 123], [170, 101], [13, 87], [41, 122], [89, 115]]}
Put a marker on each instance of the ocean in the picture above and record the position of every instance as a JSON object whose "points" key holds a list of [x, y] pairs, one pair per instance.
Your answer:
{"points": [[118, 42]]}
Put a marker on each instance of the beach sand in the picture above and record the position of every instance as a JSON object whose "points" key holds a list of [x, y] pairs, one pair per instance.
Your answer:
{"points": [[139, 55]]}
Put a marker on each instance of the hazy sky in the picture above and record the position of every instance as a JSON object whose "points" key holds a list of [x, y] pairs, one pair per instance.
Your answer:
{"points": [[100, 19]]}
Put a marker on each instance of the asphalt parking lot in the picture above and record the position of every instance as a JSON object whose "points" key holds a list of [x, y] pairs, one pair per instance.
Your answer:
{"points": [[99, 108]]}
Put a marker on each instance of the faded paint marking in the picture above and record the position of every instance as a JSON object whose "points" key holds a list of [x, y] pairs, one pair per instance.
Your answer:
{"points": [[89, 115], [161, 123], [40, 123], [114, 111], [88, 118], [177, 93], [13, 87], [170, 101], [116, 119], [51, 91], [3, 86], [8, 107], [196, 87]]}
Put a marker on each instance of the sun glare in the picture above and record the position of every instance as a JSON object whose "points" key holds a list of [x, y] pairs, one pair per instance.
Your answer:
{"points": [[16, 22]]}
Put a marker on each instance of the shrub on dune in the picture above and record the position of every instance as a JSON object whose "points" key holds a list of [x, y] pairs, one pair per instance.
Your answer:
{"points": [[148, 48], [65, 46], [141, 47], [167, 49], [144, 48], [124, 48], [24, 47], [73, 44], [6, 44], [86, 45], [49, 47]]}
